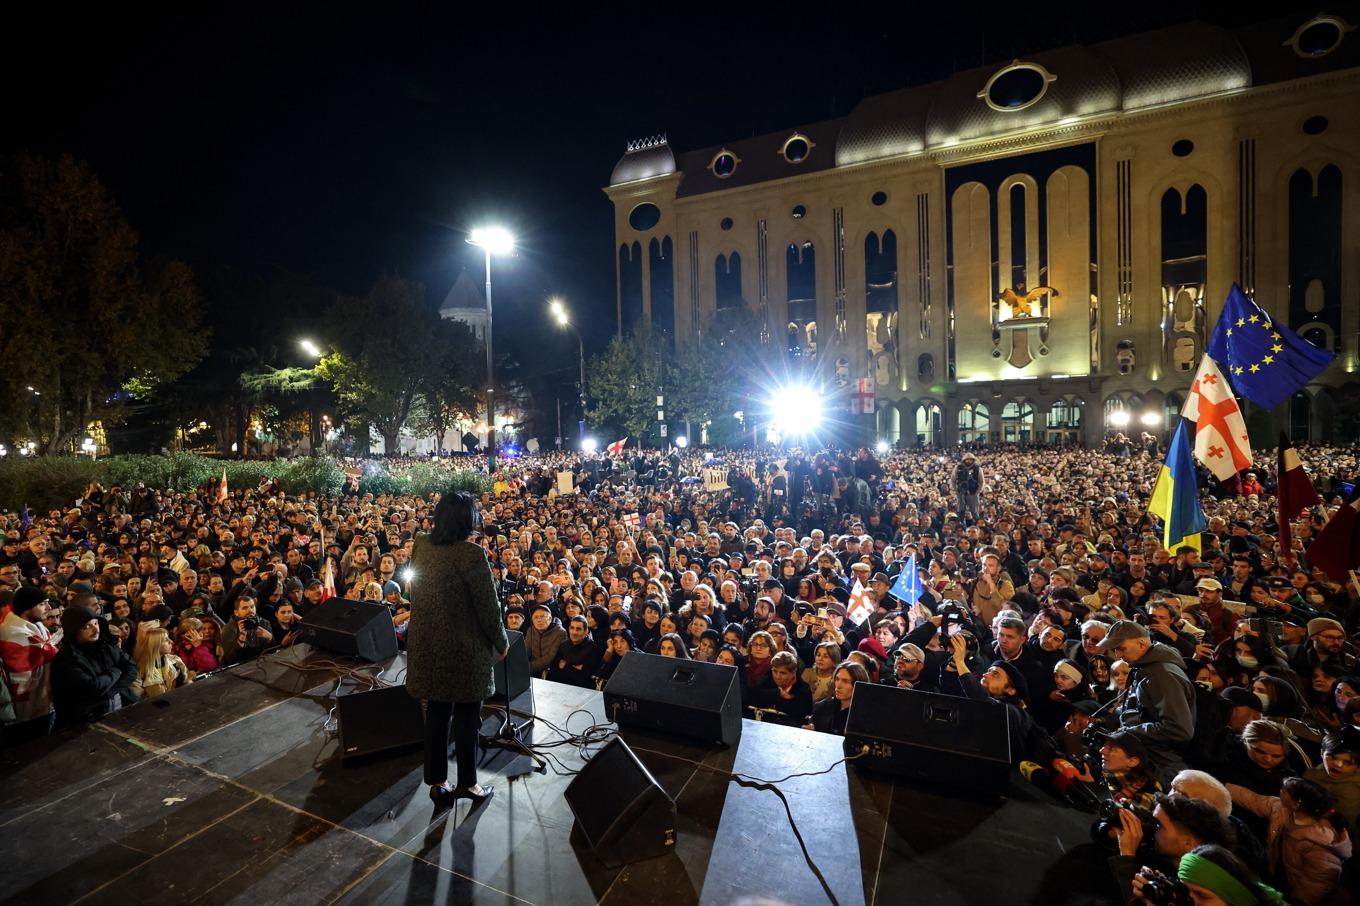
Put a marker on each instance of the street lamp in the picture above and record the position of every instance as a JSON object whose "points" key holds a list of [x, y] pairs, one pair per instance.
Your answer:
{"points": [[559, 312], [492, 241], [310, 348]]}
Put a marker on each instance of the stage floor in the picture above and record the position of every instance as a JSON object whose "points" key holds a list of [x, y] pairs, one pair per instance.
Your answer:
{"points": [[232, 791]]}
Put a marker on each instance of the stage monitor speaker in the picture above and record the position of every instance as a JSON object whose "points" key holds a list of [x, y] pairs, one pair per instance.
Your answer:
{"points": [[671, 695], [621, 810], [942, 739], [379, 722], [512, 671], [361, 629]]}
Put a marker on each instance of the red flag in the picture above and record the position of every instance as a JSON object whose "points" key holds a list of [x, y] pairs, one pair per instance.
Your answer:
{"points": [[1296, 493], [616, 448], [1336, 549]]}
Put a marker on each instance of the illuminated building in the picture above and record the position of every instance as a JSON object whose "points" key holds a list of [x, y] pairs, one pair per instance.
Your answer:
{"points": [[1020, 250]]}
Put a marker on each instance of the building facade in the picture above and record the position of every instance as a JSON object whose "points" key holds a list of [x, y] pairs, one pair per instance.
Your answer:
{"points": [[1035, 250]]}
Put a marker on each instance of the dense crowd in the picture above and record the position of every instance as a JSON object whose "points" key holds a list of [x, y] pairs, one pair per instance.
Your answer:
{"points": [[1205, 703]]}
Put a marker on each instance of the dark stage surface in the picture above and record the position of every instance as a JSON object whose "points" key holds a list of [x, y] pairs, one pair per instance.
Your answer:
{"points": [[232, 791]]}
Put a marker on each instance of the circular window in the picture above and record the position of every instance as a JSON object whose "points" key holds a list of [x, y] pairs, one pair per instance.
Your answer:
{"points": [[645, 216], [1315, 125], [1183, 148], [1016, 87], [726, 223], [879, 199], [799, 212], [1319, 36], [796, 148], [724, 164]]}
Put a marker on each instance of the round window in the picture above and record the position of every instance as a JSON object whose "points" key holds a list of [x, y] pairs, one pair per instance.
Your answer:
{"points": [[1315, 125], [645, 216], [799, 212], [879, 199], [726, 223], [1318, 37], [1183, 148], [796, 148], [724, 164], [1016, 87]]}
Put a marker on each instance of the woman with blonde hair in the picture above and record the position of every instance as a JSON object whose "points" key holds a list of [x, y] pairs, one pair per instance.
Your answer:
{"points": [[158, 668]]}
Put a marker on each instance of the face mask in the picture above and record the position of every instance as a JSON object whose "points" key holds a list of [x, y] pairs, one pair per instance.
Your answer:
{"points": [[1248, 662], [1315, 599]]}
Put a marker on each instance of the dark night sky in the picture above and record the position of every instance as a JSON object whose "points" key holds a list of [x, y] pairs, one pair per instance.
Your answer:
{"points": [[342, 144]]}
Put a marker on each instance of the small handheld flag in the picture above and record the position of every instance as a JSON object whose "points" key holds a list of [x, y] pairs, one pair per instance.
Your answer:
{"points": [[907, 588]]}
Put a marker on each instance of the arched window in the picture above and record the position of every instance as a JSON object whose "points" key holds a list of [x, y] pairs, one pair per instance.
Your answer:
{"points": [[975, 423]]}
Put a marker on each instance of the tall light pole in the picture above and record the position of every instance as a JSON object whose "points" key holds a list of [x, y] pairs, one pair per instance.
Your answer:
{"points": [[559, 312], [492, 241]]}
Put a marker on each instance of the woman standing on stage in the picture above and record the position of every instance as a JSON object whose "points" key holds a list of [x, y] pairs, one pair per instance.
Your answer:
{"points": [[455, 639]]}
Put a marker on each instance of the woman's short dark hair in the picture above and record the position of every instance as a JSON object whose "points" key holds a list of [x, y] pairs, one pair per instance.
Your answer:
{"points": [[1199, 818], [455, 517]]}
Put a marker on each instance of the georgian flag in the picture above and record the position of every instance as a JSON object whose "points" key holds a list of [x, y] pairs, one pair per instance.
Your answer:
{"points": [[616, 448], [1221, 443], [860, 605]]}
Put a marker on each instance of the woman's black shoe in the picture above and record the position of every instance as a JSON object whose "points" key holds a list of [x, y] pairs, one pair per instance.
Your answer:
{"points": [[486, 792], [443, 796]]}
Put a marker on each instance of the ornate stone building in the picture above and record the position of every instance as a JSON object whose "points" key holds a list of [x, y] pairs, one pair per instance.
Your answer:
{"points": [[1022, 251]]}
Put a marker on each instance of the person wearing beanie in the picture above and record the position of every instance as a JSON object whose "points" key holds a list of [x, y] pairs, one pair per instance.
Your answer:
{"points": [[1324, 647], [89, 678], [1004, 685], [28, 649]]}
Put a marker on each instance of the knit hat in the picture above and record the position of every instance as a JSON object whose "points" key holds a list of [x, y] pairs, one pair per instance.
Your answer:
{"points": [[27, 598], [1014, 676], [1323, 624], [1236, 696], [875, 647]]}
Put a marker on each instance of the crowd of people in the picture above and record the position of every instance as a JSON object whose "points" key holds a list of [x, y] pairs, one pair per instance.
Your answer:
{"points": [[1204, 703]]}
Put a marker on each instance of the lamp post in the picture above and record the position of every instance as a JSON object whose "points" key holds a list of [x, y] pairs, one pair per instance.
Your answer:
{"points": [[559, 311], [492, 241]]}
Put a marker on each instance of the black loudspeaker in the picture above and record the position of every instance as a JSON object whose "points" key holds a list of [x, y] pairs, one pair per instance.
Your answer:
{"points": [[621, 810], [674, 695], [942, 739], [378, 722], [512, 671], [359, 629]]}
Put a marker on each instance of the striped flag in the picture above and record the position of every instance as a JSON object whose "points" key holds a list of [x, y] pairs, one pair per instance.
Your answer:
{"points": [[1221, 442], [1175, 496], [1336, 549], [1295, 493]]}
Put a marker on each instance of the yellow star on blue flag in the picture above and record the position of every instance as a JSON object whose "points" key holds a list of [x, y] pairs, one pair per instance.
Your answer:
{"points": [[1268, 365]]}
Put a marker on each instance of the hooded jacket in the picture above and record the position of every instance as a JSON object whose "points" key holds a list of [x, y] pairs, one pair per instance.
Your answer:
{"points": [[1311, 856], [1345, 790], [1160, 704]]}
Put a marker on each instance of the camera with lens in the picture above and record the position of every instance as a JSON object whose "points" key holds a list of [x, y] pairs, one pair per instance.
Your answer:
{"points": [[953, 618], [1094, 736], [1160, 888], [1107, 824], [249, 625]]}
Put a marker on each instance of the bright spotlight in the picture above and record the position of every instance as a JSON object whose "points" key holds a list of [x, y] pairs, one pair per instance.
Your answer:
{"points": [[408, 574], [1151, 419], [796, 410], [495, 240], [682, 441], [1119, 418], [884, 446], [310, 348], [589, 445]]}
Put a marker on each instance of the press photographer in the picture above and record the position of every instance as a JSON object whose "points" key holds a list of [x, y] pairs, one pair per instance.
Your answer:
{"points": [[1159, 704]]}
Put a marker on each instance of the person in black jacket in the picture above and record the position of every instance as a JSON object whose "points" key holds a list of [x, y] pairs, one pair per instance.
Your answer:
{"points": [[576, 660], [829, 714], [783, 692], [89, 678]]}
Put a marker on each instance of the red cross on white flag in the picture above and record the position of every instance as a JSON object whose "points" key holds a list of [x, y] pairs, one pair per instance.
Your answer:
{"points": [[1221, 442], [861, 606]]}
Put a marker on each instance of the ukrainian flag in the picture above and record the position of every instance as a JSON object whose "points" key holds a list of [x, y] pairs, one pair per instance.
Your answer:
{"points": [[1175, 496]]}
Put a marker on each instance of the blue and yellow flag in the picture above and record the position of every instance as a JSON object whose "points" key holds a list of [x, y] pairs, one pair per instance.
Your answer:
{"points": [[1266, 361], [1175, 496]]}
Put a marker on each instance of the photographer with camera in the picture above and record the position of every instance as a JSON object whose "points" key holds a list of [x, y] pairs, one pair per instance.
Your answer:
{"points": [[1004, 685], [247, 635], [1153, 848], [1208, 874], [1159, 704]]}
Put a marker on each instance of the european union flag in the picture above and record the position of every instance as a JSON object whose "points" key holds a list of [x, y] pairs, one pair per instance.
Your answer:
{"points": [[907, 588], [1268, 363], [1175, 496]]}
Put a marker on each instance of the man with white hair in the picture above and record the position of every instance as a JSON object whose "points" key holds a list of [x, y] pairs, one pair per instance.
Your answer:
{"points": [[1207, 788]]}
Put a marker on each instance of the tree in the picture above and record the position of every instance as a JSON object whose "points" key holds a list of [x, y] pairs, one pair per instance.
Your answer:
{"points": [[390, 348], [83, 321], [624, 382], [448, 393]]}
